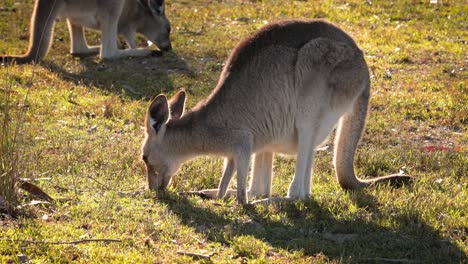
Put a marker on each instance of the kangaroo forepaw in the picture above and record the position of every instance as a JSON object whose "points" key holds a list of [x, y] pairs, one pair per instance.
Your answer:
{"points": [[156, 53]]}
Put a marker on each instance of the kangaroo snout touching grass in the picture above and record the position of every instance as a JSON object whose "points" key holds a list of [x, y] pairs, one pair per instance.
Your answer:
{"points": [[282, 90], [110, 17]]}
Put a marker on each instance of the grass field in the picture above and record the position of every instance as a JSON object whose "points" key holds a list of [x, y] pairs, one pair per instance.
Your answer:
{"points": [[81, 137]]}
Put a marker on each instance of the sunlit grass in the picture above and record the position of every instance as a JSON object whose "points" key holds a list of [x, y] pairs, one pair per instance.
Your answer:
{"points": [[83, 134]]}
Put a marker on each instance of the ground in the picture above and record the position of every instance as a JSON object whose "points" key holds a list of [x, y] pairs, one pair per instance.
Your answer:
{"points": [[82, 131]]}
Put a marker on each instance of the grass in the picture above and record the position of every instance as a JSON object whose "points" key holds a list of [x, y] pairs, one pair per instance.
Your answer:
{"points": [[9, 131], [82, 133]]}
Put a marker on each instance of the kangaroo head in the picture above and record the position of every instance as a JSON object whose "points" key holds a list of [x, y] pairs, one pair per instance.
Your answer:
{"points": [[161, 162], [156, 27]]}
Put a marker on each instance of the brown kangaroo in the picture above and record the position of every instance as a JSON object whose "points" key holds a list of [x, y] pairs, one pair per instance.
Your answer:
{"points": [[282, 90]]}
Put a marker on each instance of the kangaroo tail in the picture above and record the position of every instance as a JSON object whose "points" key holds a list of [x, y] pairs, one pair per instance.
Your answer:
{"points": [[348, 135], [41, 32]]}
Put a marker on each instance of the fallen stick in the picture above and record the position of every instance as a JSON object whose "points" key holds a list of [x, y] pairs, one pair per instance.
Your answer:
{"points": [[196, 255], [378, 259], [108, 240], [34, 190]]}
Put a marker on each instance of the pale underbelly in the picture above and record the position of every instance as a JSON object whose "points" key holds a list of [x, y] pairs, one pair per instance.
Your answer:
{"points": [[77, 17]]}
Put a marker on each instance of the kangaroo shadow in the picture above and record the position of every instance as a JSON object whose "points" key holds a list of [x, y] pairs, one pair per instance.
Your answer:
{"points": [[135, 78], [314, 230]]}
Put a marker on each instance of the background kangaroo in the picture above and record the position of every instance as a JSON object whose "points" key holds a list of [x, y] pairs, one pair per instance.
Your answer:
{"points": [[282, 90], [111, 17]]}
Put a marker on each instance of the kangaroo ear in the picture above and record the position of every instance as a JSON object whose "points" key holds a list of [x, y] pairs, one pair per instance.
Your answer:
{"points": [[158, 113], [156, 6], [177, 105]]}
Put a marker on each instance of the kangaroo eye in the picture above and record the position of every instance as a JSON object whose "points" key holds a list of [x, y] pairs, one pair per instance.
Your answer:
{"points": [[144, 158]]}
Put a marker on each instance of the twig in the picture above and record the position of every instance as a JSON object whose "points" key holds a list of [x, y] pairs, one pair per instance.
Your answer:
{"points": [[73, 102], [8, 91], [193, 33], [32, 203], [378, 259], [108, 240], [99, 183], [34, 190], [196, 255], [198, 240]]}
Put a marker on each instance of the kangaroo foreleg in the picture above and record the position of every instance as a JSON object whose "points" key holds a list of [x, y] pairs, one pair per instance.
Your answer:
{"points": [[228, 172], [78, 45], [109, 48]]}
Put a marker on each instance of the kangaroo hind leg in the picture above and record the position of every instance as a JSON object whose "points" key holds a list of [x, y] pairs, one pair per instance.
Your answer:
{"points": [[300, 185]]}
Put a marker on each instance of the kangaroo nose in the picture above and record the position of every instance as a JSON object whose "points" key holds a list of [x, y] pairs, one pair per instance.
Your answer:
{"points": [[166, 47]]}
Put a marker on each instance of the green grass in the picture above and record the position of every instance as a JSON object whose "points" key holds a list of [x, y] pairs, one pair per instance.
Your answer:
{"points": [[82, 135]]}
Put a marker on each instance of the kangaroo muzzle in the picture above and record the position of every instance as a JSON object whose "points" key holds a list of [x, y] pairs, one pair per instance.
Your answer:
{"points": [[166, 47], [157, 181]]}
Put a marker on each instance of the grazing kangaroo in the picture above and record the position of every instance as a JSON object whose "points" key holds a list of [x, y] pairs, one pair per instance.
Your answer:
{"points": [[111, 17], [282, 90]]}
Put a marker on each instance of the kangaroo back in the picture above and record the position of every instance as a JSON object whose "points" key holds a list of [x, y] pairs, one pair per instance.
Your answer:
{"points": [[293, 33]]}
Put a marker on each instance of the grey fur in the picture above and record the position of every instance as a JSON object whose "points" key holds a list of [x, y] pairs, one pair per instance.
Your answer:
{"points": [[282, 90]]}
